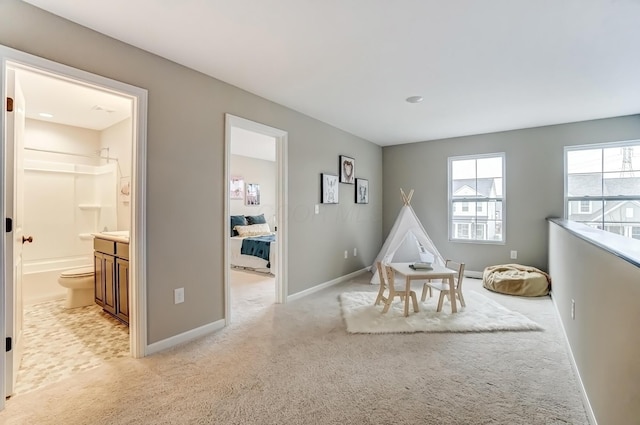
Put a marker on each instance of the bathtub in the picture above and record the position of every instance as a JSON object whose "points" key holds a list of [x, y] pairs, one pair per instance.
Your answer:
{"points": [[40, 278]]}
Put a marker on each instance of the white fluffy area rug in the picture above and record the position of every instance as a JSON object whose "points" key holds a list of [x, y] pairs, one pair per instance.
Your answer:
{"points": [[480, 315]]}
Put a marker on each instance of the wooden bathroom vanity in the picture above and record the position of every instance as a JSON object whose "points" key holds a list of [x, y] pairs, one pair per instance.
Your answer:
{"points": [[111, 259]]}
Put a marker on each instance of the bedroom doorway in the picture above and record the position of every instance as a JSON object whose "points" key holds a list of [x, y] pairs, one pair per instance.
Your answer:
{"points": [[255, 169]]}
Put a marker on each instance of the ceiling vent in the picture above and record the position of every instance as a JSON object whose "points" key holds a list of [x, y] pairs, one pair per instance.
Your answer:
{"points": [[103, 108]]}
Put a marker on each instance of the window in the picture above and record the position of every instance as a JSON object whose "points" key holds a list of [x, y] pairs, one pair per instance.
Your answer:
{"points": [[462, 230], [602, 186], [635, 232], [476, 198], [585, 207]]}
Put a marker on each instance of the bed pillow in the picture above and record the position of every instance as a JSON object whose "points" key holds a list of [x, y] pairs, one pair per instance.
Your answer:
{"points": [[237, 220], [253, 230], [256, 219]]}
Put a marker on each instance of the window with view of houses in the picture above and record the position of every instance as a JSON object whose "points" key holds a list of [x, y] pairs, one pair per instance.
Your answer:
{"points": [[602, 187], [476, 198]]}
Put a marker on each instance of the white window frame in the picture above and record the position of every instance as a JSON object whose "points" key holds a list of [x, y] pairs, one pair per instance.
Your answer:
{"points": [[453, 230]]}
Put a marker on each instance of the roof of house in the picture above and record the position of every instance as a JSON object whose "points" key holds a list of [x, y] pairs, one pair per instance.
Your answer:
{"points": [[594, 185], [483, 187]]}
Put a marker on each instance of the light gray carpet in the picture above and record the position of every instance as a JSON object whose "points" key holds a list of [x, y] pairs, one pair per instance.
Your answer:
{"points": [[296, 364], [480, 315]]}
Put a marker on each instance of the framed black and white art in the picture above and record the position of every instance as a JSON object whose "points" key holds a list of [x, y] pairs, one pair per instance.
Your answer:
{"points": [[362, 191], [329, 188], [252, 194], [347, 169]]}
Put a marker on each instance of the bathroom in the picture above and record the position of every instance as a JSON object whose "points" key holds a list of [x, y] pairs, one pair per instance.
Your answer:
{"points": [[77, 168]]}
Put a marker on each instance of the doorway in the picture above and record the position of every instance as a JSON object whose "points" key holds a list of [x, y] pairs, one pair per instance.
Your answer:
{"points": [[20, 69], [256, 169]]}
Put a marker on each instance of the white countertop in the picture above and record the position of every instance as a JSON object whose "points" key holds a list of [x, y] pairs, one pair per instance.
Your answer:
{"points": [[117, 236]]}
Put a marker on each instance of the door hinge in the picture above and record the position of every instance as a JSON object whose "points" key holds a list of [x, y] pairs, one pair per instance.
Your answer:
{"points": [[8, 344], [9, 104], [8, 225]]}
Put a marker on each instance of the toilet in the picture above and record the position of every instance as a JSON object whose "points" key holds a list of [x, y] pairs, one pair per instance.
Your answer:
{"points": [[80, 286]]}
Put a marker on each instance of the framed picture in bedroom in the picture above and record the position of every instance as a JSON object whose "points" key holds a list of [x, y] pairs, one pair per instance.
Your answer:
{"points": [[362, 191], [329, 188], [236, 187], [347, 169], [253, 194]]}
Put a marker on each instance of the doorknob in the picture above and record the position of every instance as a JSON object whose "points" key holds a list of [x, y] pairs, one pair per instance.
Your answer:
{"points": [[29, 239]]}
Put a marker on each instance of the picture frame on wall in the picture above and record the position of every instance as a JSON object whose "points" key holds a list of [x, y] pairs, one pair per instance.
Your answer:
{"points": [[362, 191], [125, 189], [329, 188], [236, 187], [252, 196], [347, 169]]}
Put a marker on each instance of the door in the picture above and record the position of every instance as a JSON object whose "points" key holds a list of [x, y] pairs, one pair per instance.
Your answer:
{"points": [[15, 120]]}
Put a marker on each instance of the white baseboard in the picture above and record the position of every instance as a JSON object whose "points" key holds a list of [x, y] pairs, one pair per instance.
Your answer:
{"points": [[471, 273], [583, 391], [321, 286], [184, 337]]}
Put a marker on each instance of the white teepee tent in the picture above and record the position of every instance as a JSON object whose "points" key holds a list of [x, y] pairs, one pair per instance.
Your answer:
{"points": [[407, 241]]}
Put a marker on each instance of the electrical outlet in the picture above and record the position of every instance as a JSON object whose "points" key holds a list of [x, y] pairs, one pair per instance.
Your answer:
{"points": [[346, 254], [178, 295], [514, 255], [573, 309], [355, 252]]}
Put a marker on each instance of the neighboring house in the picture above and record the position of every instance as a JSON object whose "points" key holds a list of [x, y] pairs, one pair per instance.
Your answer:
{"points": [[480, 220], [603, 211]]}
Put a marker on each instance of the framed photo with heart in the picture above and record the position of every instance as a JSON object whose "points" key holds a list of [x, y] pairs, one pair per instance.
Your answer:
{"points": [[347, 169]]}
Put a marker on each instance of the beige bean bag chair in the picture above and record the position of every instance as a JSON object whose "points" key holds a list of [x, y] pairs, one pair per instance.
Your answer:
{"points": [[515, 279]]}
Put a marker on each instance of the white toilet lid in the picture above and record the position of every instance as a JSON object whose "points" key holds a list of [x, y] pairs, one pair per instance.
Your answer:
{"points": [[79, 272]]}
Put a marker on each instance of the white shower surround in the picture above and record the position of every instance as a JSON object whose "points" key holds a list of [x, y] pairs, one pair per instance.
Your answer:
{"points": [[64, 204]]}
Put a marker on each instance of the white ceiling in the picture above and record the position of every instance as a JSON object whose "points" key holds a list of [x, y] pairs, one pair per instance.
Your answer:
{"points": [[71, 103], [481, 66]]}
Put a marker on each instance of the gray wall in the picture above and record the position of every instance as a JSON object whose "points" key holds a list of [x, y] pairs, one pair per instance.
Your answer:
{"points": [[604, 334], [186, 150], [534, 184]]}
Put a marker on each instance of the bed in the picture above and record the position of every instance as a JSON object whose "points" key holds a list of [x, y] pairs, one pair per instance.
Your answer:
{"points": [[253, 232]]}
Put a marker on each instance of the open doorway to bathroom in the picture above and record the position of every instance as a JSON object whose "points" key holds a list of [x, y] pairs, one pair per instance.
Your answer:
{"points": [[77, 166], [256, 241], [73, 153]]}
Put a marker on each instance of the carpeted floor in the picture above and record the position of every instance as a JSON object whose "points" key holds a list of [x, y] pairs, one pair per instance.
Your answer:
{"points": [[296, 364], [480, 315]]}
